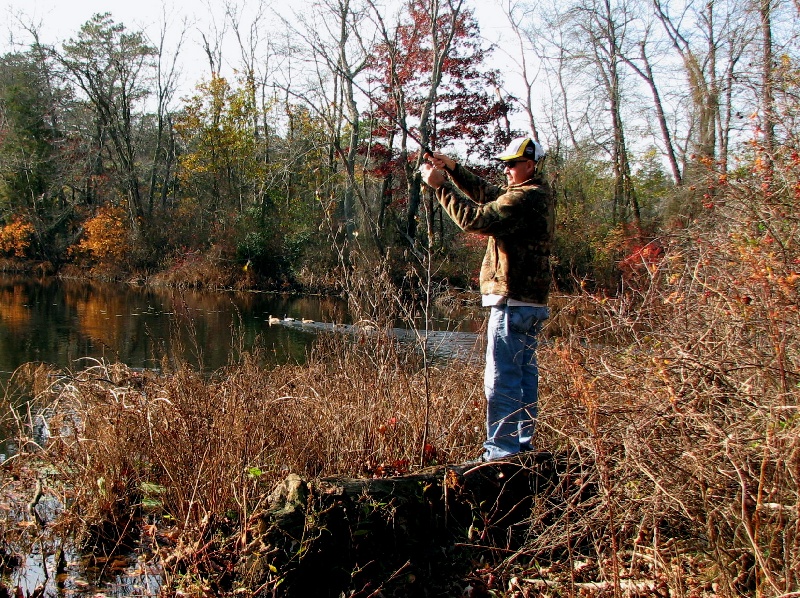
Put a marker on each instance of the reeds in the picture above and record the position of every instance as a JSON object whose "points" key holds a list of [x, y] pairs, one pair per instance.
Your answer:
{"points": [[192, 446]]}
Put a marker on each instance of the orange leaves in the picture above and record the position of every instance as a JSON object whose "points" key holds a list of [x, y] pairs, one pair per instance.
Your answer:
{"points": [[16, 237], [107, 236], [14, 312], [642, 258], [788, 285]]}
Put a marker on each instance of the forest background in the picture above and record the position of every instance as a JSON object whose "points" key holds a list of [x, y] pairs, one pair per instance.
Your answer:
{"points": [[306, 131], [672, 137]]}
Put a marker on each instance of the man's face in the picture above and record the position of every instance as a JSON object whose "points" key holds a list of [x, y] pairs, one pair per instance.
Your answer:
{"points": [[518, 171]]}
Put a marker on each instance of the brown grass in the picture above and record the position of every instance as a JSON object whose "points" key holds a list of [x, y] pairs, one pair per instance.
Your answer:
{"points": [[200, 271], [204, 446], [687, 425]]}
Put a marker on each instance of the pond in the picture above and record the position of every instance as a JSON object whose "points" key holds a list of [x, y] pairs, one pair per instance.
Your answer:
{"points": [[68, 323], [65, 321]]}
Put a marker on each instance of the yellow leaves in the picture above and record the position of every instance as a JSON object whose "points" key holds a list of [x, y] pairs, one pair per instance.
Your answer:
{"points": [[222, 144], [15, 237]]}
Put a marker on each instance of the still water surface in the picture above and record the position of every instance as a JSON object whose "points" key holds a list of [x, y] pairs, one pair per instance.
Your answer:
{"points": [[65, 322], [61, 322]]}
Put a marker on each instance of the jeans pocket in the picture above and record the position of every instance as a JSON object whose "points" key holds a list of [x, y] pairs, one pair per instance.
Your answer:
{"points": [[521, 320]]}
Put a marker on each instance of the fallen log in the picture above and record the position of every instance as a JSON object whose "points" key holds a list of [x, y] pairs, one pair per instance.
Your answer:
{"points": [[412, 535]]}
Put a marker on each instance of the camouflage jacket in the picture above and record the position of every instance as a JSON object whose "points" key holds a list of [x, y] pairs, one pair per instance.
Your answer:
{"points": [[519, 222]]}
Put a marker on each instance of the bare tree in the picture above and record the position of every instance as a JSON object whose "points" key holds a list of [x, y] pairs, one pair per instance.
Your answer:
{"points": [[561, 63], [600, 30], [767, 78], [706, 37], [338, 39], [517, 15], [163, 158], [255, 60], [212, 39], [256, 53], [643, 67]]}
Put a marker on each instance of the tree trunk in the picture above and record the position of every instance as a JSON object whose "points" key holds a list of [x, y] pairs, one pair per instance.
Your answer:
{"points": [[606, 43], [701, 76], [646, 73], [440, 50], [767, 87]]}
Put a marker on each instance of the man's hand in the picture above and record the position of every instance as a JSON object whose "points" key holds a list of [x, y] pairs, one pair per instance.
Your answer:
{"points": [[433, 177], [440, 161]]}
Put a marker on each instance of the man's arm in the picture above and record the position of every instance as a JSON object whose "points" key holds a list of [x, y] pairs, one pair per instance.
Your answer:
{"points": [[496, 217], [472, 203]]}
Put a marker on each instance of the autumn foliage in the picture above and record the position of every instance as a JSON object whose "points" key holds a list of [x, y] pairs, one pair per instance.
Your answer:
{"points": [[16, 238], [106, 239], [671, 376], [674, 402]]}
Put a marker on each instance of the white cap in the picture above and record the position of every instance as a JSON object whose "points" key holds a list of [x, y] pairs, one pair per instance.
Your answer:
{"points": [[522, 147]]}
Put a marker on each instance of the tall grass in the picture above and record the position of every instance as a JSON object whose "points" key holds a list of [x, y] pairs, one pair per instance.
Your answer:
{"points": [[687, 425], [203, 446]]}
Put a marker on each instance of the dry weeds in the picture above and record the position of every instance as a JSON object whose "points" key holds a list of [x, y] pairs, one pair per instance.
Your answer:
{"points": [[688, 425], [204, 446]]}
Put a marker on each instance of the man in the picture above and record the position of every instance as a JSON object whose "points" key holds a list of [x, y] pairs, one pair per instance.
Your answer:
{"points": [[515, 277]]}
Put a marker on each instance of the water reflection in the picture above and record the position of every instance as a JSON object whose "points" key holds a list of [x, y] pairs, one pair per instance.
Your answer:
{"points": [[62, 322]]}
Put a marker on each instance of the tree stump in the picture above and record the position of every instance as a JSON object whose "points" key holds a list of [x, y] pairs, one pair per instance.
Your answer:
{"points": [[414, 535]]}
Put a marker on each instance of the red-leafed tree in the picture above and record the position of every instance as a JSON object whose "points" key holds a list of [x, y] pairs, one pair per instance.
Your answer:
{"points": [[433, 88]]}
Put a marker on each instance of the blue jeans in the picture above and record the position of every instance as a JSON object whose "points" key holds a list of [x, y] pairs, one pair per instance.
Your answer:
{"points": [[511, 378]]}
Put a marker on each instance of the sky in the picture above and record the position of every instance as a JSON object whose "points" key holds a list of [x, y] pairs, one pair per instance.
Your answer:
{"points": [[61, 19]]}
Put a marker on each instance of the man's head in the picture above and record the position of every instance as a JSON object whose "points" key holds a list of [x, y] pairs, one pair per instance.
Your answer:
{"points": [[521, 159]]}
